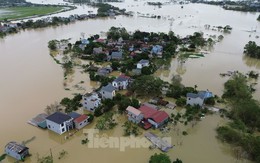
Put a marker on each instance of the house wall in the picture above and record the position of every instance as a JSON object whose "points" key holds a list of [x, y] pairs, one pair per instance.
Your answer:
{"points": [[107, 95], [16, 155], [194, 101], [120, 85], [81, 124], [155, 124], [56, 127], [91, 105], [133, 118], [140, 66]]}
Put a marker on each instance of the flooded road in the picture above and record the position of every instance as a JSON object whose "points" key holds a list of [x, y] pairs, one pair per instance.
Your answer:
{"points": [[31, 80]]}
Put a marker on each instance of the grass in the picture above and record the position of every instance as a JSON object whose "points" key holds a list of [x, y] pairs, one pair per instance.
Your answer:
{"points": [[12, 13]]}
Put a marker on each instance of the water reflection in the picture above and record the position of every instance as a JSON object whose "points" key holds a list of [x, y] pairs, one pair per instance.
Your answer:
{"points": [[251, 62]]}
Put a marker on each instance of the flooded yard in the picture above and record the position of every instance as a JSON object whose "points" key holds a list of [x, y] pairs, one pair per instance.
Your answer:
{"points": [[31, 80]]}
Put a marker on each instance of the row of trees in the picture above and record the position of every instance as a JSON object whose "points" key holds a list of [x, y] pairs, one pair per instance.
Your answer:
{"points": [[245, 116]]}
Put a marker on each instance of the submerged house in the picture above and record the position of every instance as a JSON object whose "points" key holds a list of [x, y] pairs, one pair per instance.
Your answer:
{"points": [[198, 98], [134, 115], [153, 117], [157, 50], [81, 121], [142, 63], [108, 91], [16, 151], [59, 122], [121, 82], [91, 101]]}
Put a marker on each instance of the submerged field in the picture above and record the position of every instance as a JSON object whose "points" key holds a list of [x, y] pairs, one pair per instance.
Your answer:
{"points": [[28, 11]]}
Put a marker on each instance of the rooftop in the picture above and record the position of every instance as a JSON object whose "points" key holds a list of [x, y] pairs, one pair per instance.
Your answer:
{"points": [[121, 78], [200, 94], [133, 110], [143, 61], [108, 88], [58, 117], [15, 147], [147, 111], [81, 118], [74, 115], [160, 116]]}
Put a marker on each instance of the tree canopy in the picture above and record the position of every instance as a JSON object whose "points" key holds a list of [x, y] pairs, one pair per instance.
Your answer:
{"points": [[251, 49], [147, 86], [160, 158]]}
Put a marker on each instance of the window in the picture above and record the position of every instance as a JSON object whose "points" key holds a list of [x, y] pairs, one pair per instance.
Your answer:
{"points": [[86, 103], [103, 92], [63, 130], [80, 124], [189, 98], [62, 124], [49, 126], [85, 121]]}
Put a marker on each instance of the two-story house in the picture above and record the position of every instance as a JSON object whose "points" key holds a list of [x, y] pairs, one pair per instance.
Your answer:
{"points": [[121, 82], [134, 115], [59, 122], [108, 91], [91, 101], [142, 63]]}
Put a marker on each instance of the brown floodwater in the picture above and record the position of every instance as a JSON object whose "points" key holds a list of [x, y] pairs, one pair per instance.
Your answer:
{"points": [[31, 80]]}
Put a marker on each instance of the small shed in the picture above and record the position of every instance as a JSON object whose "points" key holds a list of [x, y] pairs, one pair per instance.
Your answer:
{"points": [[16, 150]]}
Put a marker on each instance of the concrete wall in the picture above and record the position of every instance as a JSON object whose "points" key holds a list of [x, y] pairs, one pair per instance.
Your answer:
{"points": [[107, 95], [56, 127], [194, 101], [81, 125]]}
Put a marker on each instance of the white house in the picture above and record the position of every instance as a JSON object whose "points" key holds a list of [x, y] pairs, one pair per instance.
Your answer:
{"points": [[91, 101], [142, 63], [121, 82], [59, 122], [108, 92], [198, 99], [134, 115]]}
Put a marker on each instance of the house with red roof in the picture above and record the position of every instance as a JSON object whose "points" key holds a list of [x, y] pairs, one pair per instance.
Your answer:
{"points": [[153, 117], [81, 121]]}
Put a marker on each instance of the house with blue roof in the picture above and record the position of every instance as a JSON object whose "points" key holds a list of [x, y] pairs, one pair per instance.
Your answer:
{"points": [[198, 98], [157, 50], [85, 41]]}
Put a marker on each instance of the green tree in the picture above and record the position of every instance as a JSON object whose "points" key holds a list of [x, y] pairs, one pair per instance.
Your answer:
{"points": [[181, 102], [236, 88], [159, 158], [147, 86], [52, 44]]}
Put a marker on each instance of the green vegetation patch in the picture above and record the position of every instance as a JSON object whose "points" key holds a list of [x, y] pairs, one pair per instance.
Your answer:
{"points": [[28, 11]]}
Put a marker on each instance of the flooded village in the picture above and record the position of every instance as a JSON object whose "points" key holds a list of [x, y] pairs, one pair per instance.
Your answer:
{"points": [[119, 76]]}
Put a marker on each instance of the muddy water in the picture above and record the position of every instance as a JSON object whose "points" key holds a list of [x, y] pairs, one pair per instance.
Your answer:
{"points": [[30, 80]]}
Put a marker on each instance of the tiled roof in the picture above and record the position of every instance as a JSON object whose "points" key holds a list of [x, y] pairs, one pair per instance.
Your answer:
{"points": [[58, 117], [81, 118], [108, 88], [147, 111], [160, 116], [122, 78], [133, 110]]}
